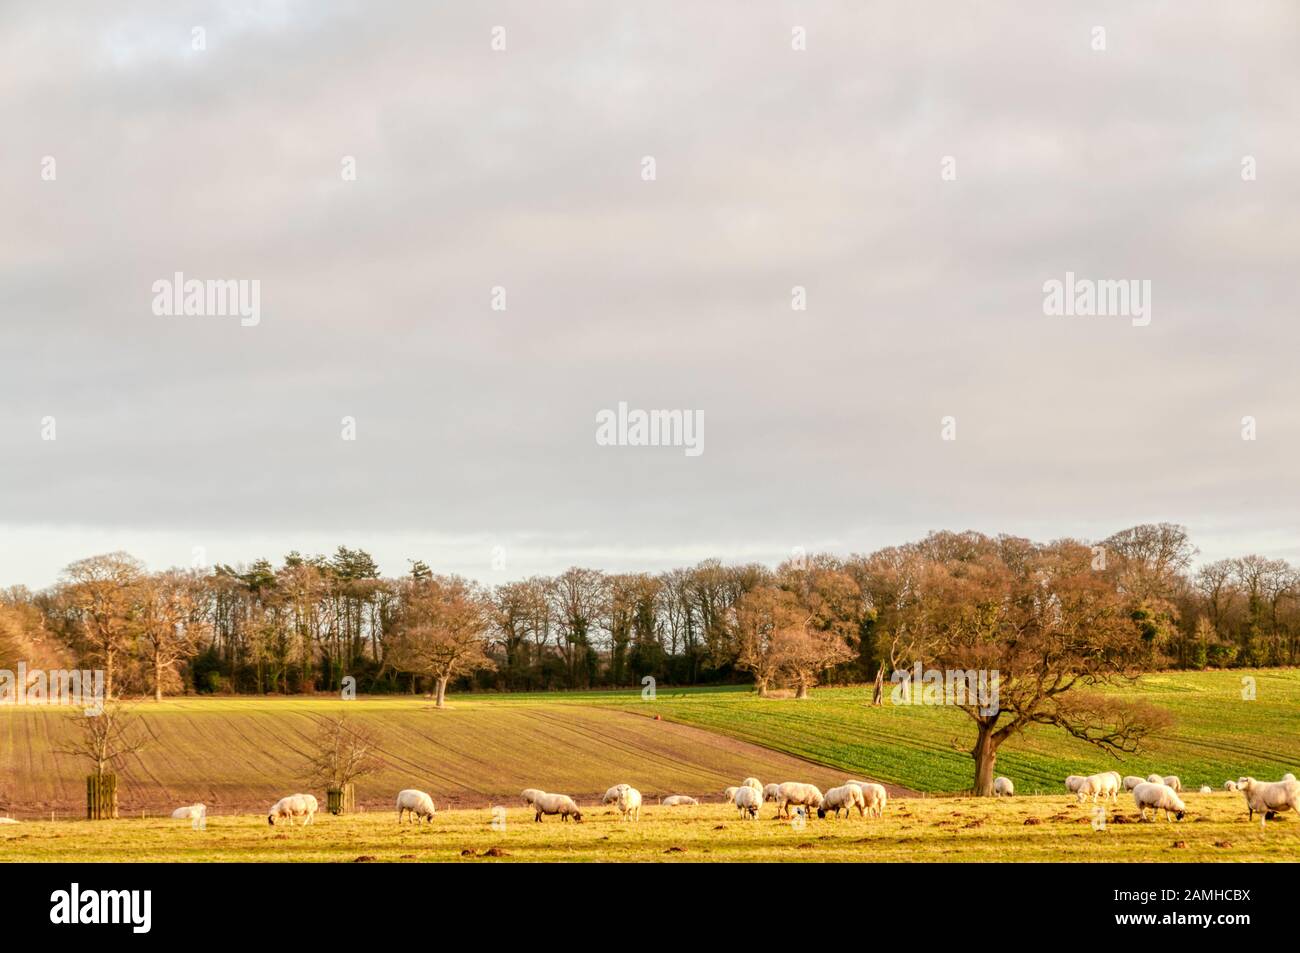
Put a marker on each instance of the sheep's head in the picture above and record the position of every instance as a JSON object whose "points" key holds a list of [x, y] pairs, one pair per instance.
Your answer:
{"points": [[577, 816], [1180, 814], [270, 819], [1245, 783], [821, 813]]}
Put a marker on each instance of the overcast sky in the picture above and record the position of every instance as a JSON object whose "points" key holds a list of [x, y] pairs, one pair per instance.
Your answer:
{"points": [[523, 168]]}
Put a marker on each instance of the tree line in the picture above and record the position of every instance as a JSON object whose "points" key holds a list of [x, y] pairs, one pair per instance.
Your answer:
{"points": [[312, 622]]}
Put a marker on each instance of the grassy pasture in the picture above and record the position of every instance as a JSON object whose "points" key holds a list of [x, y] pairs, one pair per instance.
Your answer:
{"points": [[1047, 828]]}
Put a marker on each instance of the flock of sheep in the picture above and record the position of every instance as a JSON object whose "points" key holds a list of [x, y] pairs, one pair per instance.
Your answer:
{"points": [[1161, 793], [1155, 792]]}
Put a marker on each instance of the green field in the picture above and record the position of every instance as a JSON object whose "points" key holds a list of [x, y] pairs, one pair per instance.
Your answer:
{"points": [[926, 829]]}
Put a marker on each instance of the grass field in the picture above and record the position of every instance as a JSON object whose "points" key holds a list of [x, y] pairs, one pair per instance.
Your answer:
{"points": [[238, 755], [928, 829]]}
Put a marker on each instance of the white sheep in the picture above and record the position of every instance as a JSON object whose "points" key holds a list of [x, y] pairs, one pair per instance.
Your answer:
{"points": [[1229, 785], [415, 803], [8, 820], [1102, 785], [1171, 781], [611, 796], [874, 796], [678, 800], [748, 801], [1131, 781], [292, 807], [529, 793], [560, 804], [730, 794], [1155, 779], [771, 792], [753, 783], [1269, 797], [190, 812], [1149, 794], [629, 803], [843, 798], [1073, 782], [1002, 787], [1206, 789], [799, 794], [1288, 777]]}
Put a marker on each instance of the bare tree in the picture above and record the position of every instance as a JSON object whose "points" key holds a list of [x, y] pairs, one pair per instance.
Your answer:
{"points": [[341, 753], [442, 631], [169, 621], [102, 591], [105, 739]]}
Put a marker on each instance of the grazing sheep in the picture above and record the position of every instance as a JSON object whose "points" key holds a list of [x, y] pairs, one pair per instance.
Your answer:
{"points": [[8, 820], [771, 792], [190, 812], [628, 803], [1002, 787], [418, 804], [1171, 781], [1229, 785], [753, 783], [730, 795], [1206, 789], [529, 793], [293, 806], [1155, 779], [1131, 781], [560, 804], [748, 802], [874, 796], [1269, 797], [843, 798], [611, 796], [1288, 777], [678, 800], [798, 794], [1099, 785], [1158, 797], [1073, 782]]}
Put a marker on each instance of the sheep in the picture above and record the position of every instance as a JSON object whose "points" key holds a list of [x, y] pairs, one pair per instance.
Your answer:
{"points": [[629, 803], [612, 795], [1158, 797], [1131, 781], [799, 794], [8, 820], [1072, 783], [678, 800], [560, 804], [753, 783], [190, 812], [1229, 785], [1155, 779], [1288, 777], [771, 792], [529, 793], [415, 803], [843, 798], [1206, 789], [748, 801], [1003, 787], [874, 797], [1269, 797], [730, 795], [1099, 785], [293, 806], [1171, 781]]}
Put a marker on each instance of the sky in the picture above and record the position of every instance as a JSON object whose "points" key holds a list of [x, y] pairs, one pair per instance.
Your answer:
{"points": [[920, 170]]}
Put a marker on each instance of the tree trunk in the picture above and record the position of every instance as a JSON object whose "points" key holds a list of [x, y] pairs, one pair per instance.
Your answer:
{"points": [[803, 689], [878, 693], [157, 678], [761, 685], [985, 754], [101, 797], [442, 692], [108, 673]]}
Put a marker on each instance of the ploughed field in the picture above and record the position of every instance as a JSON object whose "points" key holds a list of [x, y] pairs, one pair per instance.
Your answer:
{"points": [[1043, 828]]}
